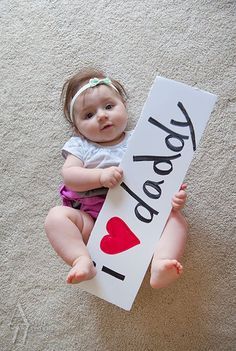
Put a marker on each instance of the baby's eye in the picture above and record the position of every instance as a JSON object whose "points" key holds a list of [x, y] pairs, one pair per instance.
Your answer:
{"points": [[89, 115], [109, 107]]}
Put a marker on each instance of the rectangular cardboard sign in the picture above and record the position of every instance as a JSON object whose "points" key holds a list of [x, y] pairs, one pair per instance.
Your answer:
{"points": [[134, 214]]}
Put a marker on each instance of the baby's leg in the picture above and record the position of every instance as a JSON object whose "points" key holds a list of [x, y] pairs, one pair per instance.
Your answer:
{"points": [[165, 266], [68, 231]]}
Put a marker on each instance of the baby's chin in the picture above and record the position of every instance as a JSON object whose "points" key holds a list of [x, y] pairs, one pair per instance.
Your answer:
{"points": [[111, 141]]}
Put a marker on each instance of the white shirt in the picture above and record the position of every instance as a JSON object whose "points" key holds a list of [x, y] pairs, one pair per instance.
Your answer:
{"points": [[94, 155]]}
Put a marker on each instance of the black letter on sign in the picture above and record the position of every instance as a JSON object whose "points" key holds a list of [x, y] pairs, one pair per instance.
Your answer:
{"points": [[172, 135], [157, 160], [189, 123], [154, 185], [140, 203], [113, 273]]}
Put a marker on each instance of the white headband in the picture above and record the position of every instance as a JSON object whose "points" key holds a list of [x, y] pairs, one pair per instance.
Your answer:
{"points": [[91, 84]]}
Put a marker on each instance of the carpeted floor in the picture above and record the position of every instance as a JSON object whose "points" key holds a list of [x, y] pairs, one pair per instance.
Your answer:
{"points": [[42, 43]]}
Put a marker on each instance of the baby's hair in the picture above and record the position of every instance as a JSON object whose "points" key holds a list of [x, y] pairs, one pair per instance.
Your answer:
{"points": [[73, 84]]}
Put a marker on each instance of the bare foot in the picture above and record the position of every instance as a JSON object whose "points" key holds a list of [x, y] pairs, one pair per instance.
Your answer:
{"points": [[83, 269], [164, 272]]}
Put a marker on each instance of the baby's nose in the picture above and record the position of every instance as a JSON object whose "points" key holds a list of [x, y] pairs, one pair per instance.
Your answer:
{"points": [[101, 114]]}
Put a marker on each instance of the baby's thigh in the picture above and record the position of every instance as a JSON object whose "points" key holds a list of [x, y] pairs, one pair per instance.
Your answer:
{"points": [[63, 215], [87, 224], [83, 221]]}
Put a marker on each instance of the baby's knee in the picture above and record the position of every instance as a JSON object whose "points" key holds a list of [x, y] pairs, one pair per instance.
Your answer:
{"points": [[54, 215]]}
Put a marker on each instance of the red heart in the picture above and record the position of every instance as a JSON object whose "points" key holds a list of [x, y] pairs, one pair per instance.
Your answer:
{"points": [[120, 237]]}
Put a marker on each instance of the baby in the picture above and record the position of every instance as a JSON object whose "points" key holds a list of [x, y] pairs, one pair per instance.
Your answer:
{"points": [[95, 106]]}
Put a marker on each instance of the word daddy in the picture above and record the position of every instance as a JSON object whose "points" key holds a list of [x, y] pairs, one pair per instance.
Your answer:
{"points": [[158, 160]]}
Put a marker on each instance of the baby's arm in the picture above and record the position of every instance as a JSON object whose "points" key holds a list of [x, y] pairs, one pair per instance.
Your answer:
{"points": [[78, 178], [179, 198]]}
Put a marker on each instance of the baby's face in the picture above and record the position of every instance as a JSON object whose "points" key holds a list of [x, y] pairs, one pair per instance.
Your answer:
{"points": [[100, 115]]}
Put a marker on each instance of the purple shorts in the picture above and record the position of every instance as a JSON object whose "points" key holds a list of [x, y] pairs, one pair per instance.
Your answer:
{"points": [[91, 205]]}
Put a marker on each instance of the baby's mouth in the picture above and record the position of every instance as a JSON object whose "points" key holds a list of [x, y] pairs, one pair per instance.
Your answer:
{"points": [[106, 126]]}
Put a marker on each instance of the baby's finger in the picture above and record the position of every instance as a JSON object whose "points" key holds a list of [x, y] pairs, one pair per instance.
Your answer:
{"points": [[177, 206], [118, 175], [183, 186], [112, 183], [114, 180], [177, 201], [181, 194], [119, 170]]}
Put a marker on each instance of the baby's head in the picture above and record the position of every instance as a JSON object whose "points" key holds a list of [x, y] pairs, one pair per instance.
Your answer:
{"points": [[95, 105]]}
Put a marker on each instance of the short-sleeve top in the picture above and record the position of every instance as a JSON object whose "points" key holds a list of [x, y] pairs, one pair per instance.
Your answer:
{"points": [[94, 155]]}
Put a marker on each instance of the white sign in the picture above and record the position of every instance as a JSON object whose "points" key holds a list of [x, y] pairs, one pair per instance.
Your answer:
{"points": [[135, 212]]}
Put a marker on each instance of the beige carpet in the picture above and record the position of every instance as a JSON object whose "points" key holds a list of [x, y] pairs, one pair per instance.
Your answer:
{"points": [[41, 43]]}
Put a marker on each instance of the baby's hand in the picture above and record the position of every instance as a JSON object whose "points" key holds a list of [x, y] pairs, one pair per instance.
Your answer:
{"points": [[179, 199], [111, 176]]}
